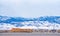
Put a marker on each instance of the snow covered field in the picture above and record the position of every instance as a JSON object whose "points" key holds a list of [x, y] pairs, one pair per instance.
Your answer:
{"points": [[30, 25]]}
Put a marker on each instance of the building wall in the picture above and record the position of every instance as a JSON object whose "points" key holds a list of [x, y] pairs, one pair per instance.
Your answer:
{"points": [[21, 30]]}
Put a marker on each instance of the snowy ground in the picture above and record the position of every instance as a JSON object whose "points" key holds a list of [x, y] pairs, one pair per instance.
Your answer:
{"points": [[30, 25]]}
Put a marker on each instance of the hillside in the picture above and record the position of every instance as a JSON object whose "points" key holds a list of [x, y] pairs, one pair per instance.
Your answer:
{"points": [[43, 22]]}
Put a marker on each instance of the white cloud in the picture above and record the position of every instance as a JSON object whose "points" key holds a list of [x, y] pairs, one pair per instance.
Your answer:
{"points": [[43, 1], [29, 8], [29, 1], [10, 1]]}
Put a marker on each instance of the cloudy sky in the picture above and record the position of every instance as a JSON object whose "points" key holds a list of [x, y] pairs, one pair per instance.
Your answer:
{"points": [[30, 8]]}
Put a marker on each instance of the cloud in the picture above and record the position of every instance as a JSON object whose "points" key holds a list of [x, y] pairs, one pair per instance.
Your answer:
{"points": [[29, 8], [43, 1], [29, 1], [10, 0]]}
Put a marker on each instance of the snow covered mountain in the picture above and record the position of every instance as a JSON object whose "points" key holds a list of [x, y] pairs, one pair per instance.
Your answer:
{"points": [[45, 22]]}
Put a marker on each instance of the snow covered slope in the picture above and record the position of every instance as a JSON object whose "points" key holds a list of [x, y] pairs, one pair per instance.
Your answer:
{"points": [[45, 22]]}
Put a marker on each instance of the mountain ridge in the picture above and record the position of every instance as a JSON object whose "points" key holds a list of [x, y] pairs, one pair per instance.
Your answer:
{"points": [[51, 19]]}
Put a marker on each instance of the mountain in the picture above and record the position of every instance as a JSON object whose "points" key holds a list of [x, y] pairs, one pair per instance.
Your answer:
{"points": [[51, 19], [43, 22], [30, 25], [6, 19]]}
